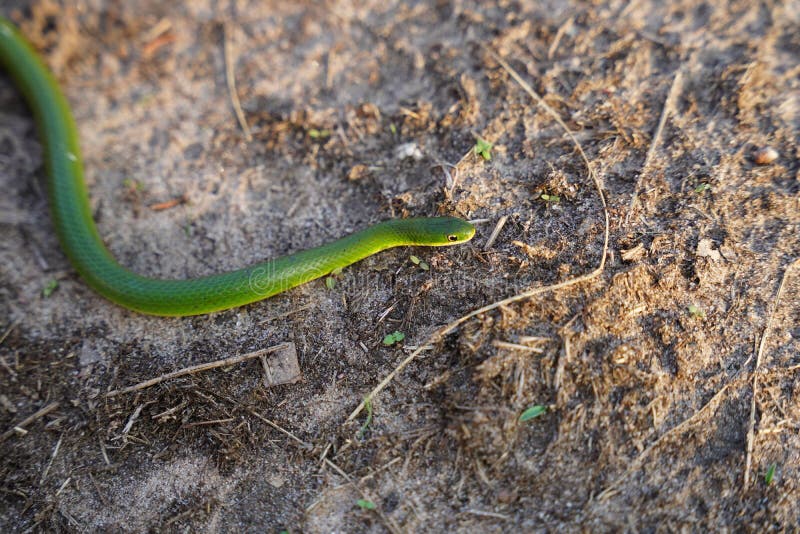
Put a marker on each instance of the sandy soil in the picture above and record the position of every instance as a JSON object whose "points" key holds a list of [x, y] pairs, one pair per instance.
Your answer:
{"points": [[671, 375]]}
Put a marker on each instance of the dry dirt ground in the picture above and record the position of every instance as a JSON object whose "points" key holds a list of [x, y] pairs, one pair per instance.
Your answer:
{"points": [[670, 372]]}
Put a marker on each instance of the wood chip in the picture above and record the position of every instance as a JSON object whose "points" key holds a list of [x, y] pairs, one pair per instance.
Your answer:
{"points": [[281, 367]]}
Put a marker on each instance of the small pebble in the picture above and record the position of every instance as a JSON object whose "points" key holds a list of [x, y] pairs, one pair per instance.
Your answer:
{"points": [[765, 155]]}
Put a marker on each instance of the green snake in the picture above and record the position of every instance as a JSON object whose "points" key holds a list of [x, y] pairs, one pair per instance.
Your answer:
{"points": [[80, 240]]}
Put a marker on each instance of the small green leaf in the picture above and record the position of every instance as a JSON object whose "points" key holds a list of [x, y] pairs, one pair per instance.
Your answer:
{"points": [[694, 311], [414, 260], [770, 474], [133, 185], [702, 188], [424, 266], [483, 148], [550, 198], [368, 406], [313, 133], [48, 289], [330, 282], [394, 337], [532, 413], [365, 504], [393, 129]]}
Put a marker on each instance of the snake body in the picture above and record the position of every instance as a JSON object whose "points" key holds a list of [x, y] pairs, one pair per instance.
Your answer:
{"points": [[81, 242]]}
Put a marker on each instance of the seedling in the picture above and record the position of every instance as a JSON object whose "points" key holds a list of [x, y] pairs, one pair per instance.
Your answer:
{"points": [[365, 504], [416, 261], [702, 188], [330, 281], [394, 337], [483, 148], [770, 474], [696, 312], [532, 413], [51, 286], [313, 133], [368, 406]]}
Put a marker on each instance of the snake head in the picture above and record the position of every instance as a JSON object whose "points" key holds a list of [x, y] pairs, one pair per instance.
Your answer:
{"points": [[437, 231]]}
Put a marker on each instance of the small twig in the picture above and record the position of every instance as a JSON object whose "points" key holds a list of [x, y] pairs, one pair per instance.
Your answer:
{"points": [[231, 80], [443, 331], [516, 346], [484, 513], [8, 331], [669, 103], [557, 39], [195, 369], [52, 458], [751, 427], [206, 423], [279, 428], [28, 420], [497, 229]]}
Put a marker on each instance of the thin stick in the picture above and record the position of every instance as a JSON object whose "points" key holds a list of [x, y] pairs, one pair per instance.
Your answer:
{"points": [[669, 103], [196, 369], [231, 80], [493, 236], [52, 458], [279, 428], [28, 420], [751, 428], [516, 346], [443, 331], [8, 331]]}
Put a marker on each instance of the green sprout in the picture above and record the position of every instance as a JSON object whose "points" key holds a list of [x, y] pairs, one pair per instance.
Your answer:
{"points": [[770, 474], [550, 198], [49, 287], [416, 261], [365, 504], [483, 148], [393, 129], [394, 337], [695, 311], [330, 281], [133, 185], [368, 406], [532, 413], [313, 133], [702, 188]]}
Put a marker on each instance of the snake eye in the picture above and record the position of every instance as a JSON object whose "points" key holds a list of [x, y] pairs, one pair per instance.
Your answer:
{"points": [[452, 237]]}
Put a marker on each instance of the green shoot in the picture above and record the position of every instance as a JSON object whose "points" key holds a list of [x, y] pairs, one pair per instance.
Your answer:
{"points": [[483, 148], [368, 406], [394, 337], [49, 287], [770, 474], [313, 133], [550, 198], [696, 312], [702, 188], [365, 504], [532, 413], [330, 281], [416, 261]]}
